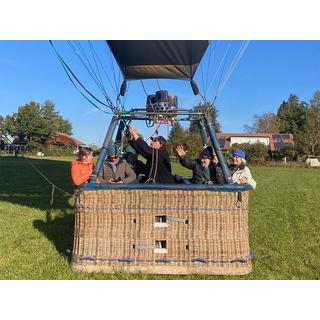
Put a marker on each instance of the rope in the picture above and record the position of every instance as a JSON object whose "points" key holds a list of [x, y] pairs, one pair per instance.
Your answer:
{"points": [[69, 73], [218, 69], [49, 181], [158, 84], [88, 67], [234, 63]]}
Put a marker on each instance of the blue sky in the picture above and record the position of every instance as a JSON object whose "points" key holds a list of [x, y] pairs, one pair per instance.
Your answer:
{"points": [[267, 74]]}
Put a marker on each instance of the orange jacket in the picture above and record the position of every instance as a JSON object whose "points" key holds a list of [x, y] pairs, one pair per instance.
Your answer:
{"points": [[80, 172]]}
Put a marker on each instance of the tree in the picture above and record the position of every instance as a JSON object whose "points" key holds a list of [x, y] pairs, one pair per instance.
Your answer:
{"points": [[315, 101], [192, 143], [265, 123], [292, 116], [176, 136], [211, 111], [311, 133], [33, 123]]}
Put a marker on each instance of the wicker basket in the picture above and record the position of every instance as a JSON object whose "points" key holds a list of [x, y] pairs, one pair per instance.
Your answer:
{"points": [[162, 231]]}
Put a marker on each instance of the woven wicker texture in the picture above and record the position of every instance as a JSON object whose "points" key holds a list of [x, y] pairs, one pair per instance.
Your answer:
{"points": [[165, 232]]}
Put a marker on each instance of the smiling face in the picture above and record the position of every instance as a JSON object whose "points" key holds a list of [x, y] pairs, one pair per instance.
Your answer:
{"points": [[205, 161], [236, 160], [112, 158], [88, 158]]}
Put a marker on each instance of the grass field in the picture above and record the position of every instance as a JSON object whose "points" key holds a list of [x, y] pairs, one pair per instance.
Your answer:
{"points": [[36, 238]]}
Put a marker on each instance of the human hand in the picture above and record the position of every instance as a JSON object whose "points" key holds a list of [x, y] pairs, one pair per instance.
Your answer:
{"points": [[243, 181], [180, 151], [111, 181], [133, 132]]}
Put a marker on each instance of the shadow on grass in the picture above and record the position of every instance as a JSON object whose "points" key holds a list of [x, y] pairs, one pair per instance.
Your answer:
{"points": [[21, 184], [59, 230]]}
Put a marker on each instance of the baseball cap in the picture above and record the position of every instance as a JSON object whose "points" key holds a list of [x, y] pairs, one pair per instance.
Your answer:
{"points": [[161, 139]]}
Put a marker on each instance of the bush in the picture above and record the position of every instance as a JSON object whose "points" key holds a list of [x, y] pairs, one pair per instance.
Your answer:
{"points": [[255, 152], [289, 152]]}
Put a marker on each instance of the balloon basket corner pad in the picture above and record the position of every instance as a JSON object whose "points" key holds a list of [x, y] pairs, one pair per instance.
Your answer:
{"points": [[161, 229]]}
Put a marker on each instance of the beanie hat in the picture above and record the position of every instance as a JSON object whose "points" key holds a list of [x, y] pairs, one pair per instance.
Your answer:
{"points": [[207, 152], [239, 153], [112, 150]]}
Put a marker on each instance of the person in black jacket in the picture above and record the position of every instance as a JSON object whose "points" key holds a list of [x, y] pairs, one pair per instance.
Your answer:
{"points": [[204, 169], [158, 167]]}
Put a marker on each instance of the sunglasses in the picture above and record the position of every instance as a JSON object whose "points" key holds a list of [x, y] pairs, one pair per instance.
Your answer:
{"points": [[113, 157], [205, 158]]}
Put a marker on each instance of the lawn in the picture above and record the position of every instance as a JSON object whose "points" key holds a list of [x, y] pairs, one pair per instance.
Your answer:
{"points": [[36, 238]]}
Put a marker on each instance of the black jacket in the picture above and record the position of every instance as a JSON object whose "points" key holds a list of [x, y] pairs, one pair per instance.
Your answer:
{"points": [[158, 167], [216, 173]]}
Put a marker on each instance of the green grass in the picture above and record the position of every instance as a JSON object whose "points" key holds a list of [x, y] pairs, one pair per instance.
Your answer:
{"points": [[35, 238]]}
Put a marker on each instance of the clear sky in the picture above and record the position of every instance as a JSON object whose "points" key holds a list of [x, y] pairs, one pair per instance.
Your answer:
{"points": [[267, 74]]}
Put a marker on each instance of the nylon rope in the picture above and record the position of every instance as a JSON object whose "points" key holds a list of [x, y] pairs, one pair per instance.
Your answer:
{"points": [[87, 65], [69, 71], [209, 66], [233, 65], [218, 69], [53, 186], [95, 58]]}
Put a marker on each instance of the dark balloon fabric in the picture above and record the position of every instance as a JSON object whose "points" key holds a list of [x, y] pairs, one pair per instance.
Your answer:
{"points": [[158, 59]]}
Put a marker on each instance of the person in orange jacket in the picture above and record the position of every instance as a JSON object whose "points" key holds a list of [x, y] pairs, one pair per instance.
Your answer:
{"points": [[82, 167]]}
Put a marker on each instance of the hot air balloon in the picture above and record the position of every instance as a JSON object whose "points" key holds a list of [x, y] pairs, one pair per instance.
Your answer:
{"points": [[160, 228]]}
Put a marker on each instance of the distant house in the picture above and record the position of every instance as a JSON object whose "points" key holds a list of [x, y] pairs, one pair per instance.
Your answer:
{"points": [[63, 140], [275, 141]]}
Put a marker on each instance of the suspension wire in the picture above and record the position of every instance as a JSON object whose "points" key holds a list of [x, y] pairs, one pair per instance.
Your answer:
{"points": [[158, 84], [224, 65], [209, 66], [210, 52], [220, 65], [234, 63], [202, 79], [94, 56], [87, 65], [72, 76], [106, 74], [125, 97], [113, 70]]}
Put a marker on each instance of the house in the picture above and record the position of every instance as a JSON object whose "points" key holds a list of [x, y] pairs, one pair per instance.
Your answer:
{"points": [[275, 141], [63, 140]]}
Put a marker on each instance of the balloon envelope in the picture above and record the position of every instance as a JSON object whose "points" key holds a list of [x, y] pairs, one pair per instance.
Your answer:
{"points": [[156, 59]]}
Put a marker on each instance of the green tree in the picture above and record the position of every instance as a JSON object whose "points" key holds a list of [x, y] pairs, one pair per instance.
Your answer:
{"points": [[192, 143], [34, 123], [209, 109], [176, 136], [292, 116]]}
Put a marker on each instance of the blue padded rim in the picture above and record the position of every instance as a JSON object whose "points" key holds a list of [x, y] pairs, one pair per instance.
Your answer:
{"points": [[232, 187]]}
